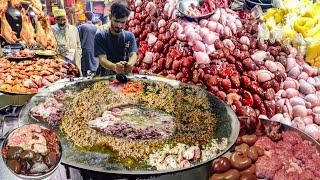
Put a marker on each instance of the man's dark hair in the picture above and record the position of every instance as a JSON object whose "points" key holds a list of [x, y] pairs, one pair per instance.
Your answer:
{"points": [[120, 10], [89, 15]]}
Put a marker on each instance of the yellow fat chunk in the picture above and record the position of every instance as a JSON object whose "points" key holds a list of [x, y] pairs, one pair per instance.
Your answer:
{"points": [[289, 33], [269, 14], [304, 24], [279, 16], [314, 32], [313, 11], [313, 54], [316, 62]]}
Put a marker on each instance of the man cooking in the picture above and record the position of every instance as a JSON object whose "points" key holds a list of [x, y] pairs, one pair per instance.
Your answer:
{"points": [[116, 48], [67, 37]]}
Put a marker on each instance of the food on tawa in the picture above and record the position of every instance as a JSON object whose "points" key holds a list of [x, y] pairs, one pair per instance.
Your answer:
{"points": [[31, 150], [89, 119], [134, 122], [30, 76], [183, 156], [52, 109]]}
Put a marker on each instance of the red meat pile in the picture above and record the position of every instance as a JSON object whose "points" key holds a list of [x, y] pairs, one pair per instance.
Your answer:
{"points": [[291, 158]]}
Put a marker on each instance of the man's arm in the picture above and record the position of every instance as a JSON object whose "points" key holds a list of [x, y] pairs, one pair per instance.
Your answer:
{"points": [[132, 58], [132, 53], [104, 62]]}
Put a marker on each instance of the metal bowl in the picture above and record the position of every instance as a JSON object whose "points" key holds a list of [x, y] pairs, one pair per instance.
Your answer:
{"points": [[31, 177], [227, 126], [183, 4]]}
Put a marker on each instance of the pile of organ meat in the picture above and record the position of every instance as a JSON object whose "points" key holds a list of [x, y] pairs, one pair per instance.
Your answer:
{"points": [[30, 76], [52, 109], [32, 150], [134, 122], [290, 158], [223, 52]]}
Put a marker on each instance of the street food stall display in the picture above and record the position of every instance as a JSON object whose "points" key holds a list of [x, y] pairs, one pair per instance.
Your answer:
{"points": [[238, 91], [224, 53], [29, 61]]}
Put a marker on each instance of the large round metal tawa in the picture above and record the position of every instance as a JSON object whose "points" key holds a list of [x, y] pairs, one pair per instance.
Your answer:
{"points": [[227, 125]]}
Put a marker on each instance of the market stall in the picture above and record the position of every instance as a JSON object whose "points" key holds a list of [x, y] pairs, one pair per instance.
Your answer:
{"points": [[266, 78], [228, 53], [29, 61], [228, 95]]}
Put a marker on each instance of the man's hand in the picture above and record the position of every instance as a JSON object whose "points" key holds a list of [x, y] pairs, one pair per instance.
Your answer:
{"points": [[120, 67], [129, 68]]}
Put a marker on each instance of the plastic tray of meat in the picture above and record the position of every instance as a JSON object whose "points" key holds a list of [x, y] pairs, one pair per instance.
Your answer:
{"points": [[197, 9], [165, 127]]}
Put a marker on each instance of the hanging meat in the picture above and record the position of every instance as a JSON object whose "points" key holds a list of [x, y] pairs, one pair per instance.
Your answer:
{"points": [[6, 31], [15, 3], [27, 31], [3, 6], [36, 7], [51, 40], [37, 4], [41, 36]]}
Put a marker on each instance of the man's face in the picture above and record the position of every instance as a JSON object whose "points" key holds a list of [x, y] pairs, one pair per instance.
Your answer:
{"points": [[61, 21], [118, 24]]}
